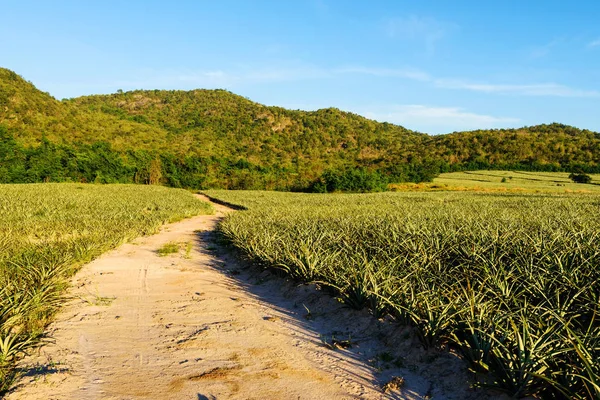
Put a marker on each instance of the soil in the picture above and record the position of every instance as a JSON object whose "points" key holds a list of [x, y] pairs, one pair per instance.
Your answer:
{"points": [[201, 324]]}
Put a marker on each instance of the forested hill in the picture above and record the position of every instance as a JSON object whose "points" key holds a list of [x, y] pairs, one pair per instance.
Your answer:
{"points": [[30, 114], [214, 138], [221, 124], [542, 147]]}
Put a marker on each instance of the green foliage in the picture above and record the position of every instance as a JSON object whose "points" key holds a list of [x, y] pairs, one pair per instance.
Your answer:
{"points": [[47, 230], [350, 180], [31, 115], [546, 147], [168, 248], [509, 281], [580, 178]]}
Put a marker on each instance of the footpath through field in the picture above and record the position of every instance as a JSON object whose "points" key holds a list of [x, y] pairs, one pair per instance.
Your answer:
{"points": [[190, 326]]}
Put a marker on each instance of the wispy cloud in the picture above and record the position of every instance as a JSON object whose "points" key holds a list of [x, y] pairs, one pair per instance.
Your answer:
{"points": [[594, 43], [284, 74], [424, 29], [432, 119], [409, 73], [250, 76], [538, 89], [228, 79], [544, 50], [320, 7], [306, 72], [236, 77], [206, 78], [533, 89], [147, 79]]}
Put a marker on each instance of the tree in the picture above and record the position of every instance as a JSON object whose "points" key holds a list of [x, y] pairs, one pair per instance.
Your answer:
{"points": [[155, 173]]}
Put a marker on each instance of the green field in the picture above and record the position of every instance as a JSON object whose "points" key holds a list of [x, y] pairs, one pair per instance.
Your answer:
{"points": [[48, 230], [511, 281], [516, 181]]}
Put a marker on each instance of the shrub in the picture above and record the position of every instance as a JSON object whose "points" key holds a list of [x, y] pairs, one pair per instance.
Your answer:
{"points": [[351, 180], [580, 178]]}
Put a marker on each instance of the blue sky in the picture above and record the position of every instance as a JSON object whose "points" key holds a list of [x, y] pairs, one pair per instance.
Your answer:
{"points": [[432, 66]]}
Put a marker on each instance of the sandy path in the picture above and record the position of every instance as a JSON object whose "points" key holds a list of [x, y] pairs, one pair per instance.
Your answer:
{"points": [[198, 326]]}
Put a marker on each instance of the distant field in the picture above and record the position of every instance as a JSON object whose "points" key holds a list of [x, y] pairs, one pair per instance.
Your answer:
{"points": [[510, 280], [515, 181], [47, 230]]}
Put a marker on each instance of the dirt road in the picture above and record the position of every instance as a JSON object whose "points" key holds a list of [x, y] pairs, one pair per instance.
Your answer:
{"points": [[198, 325]]}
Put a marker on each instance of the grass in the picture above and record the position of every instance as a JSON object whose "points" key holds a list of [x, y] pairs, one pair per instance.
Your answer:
{"points": [[48, 230], [509, 280], [168, 248], [513, 181]]}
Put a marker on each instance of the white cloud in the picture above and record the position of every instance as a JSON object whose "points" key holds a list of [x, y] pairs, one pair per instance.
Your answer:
{"points": [[429, 118], [594, 43]]}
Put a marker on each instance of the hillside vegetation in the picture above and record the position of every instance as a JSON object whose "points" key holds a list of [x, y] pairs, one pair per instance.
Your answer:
{"points": [[31, 114], [551, 147], [216, 139]]}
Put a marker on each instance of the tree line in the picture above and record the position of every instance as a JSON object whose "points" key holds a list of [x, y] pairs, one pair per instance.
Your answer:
{"points": [[100, 163]]}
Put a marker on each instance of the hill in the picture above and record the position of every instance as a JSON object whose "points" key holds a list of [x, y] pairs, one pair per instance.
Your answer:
{"points": [[31, 114], [216, 139], [552, 147], [217, 123]]}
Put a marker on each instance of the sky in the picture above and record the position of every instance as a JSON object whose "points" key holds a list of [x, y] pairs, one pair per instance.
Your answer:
{"points": [[431, 66]]}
